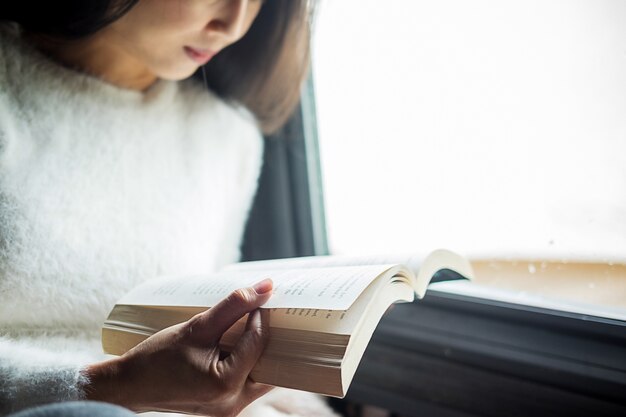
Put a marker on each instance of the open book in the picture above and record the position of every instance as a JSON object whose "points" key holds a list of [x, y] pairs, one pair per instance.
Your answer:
{"points": [[322, 313]]}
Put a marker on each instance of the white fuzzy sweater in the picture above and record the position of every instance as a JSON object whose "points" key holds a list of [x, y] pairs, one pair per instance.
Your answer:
{"points": [[100, 189]]}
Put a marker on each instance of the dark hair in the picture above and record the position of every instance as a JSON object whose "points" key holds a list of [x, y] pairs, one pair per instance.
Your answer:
{"points": [[263, 71]]}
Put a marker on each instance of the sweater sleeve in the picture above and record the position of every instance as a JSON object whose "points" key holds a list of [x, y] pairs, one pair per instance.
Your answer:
{"points": [[31, 375]]}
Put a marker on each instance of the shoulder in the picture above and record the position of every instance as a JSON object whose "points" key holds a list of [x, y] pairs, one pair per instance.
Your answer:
{"points": [[20, 63], [9, 58], [8, 37], [22, 72]]}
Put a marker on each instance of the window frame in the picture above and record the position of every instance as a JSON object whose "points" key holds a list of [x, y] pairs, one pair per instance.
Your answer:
{"points": [[287, 218], [454, 355]]}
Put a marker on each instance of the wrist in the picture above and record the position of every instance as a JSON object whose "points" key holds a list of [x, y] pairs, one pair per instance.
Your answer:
{"points": [[107, 383]]}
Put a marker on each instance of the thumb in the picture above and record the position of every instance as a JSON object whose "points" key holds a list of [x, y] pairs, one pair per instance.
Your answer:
{"points": [[209, 326]]}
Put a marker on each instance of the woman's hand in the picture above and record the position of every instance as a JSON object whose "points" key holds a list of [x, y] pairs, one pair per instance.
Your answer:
{"points": [[180, 368]]}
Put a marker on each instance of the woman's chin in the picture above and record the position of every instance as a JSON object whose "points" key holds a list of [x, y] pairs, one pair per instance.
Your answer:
{"points": [[177, 74]]}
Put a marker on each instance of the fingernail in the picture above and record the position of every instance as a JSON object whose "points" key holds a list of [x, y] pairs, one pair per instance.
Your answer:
{"points": [[264, 286]]}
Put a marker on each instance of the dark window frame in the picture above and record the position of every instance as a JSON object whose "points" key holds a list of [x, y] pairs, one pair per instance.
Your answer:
{"points": [[453, 355], [287, 218]]}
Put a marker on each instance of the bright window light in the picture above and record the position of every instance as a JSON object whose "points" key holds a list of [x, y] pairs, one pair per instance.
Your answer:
{"points": [[494, 128]]}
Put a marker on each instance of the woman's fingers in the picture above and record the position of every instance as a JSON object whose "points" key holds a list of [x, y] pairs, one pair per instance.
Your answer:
{"points": [[250, 346], [208, 327]]}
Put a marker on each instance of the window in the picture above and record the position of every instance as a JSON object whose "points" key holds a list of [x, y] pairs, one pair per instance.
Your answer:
{"points": [[492, 128], [496, 129]]}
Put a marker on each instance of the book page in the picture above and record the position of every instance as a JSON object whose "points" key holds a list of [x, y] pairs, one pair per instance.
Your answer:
{"points": [[320, 320], [422, 267], [333, 288], [333, 321], [411, 261]]}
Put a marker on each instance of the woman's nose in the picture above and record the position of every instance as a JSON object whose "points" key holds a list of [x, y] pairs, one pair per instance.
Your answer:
{"points": [[229, 19]]}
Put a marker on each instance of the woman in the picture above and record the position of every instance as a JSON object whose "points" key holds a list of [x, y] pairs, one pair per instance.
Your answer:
{"points": [[112, 172]]}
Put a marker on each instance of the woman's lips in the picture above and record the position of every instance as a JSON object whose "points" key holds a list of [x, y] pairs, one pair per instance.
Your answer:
{"points": [[201, 56]]}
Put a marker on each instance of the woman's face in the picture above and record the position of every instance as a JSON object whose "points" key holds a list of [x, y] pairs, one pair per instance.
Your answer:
{"points": [[172, 38]]}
